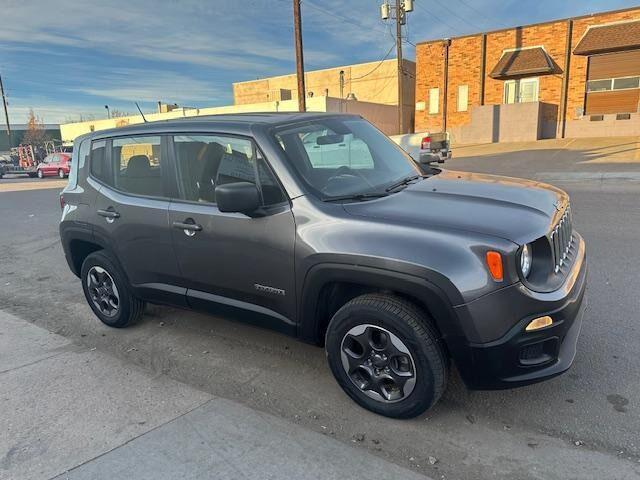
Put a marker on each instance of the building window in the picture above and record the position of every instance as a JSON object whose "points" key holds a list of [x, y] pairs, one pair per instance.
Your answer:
{"points": [[434, 100], [521, 90], [605, 85], [463, 97]]}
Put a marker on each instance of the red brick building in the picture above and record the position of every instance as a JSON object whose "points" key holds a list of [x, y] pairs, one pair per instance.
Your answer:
{"points": [[565, 78]]}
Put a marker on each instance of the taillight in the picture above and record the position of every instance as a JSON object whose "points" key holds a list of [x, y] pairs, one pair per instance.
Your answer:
{"points": [[426, 143], [62, 201]]}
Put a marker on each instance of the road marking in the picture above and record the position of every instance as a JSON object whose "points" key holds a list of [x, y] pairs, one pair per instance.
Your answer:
{"points": [[23, 186]]}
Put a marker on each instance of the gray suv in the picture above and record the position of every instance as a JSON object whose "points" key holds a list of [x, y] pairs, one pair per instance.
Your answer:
{"points": [[319, 226]]}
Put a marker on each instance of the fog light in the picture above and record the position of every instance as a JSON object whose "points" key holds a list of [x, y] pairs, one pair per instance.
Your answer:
{"points": [[538, 323]]}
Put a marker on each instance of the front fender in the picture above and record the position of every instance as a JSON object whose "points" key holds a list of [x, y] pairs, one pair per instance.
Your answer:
{"points": [[429, 288]]}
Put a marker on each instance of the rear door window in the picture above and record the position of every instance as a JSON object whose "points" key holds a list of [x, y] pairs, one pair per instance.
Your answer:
{"points": [[137, 165]]}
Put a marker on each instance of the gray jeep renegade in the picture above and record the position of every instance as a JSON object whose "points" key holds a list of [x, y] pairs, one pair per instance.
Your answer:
{"points": [[319, 226]]}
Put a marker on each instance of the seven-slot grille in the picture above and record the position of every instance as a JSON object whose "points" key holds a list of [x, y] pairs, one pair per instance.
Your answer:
{"points": [[561, 239]]}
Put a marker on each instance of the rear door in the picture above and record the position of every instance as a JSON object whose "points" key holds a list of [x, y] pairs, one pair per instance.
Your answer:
{"points": [[231, 262], [131, 212]]}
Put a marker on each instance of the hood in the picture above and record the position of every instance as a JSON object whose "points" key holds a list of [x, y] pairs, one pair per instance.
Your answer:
{"points": [[511, 208]]}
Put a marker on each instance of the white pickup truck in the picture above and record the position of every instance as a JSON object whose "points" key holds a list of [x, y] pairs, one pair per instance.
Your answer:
{"points": [[425, 147], [329, 150]]}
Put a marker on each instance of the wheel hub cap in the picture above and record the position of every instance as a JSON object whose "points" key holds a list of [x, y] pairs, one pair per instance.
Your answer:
{"points": [[103, 291], [378, 363]]}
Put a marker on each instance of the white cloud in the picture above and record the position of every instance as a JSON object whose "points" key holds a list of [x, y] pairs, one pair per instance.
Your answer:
{"points": [[151, 86], [214, 34]]}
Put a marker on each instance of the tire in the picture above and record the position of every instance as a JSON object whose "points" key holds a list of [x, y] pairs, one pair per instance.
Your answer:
{"points": [[378, 316], [118, 314], [61, 173], [40, 174]]}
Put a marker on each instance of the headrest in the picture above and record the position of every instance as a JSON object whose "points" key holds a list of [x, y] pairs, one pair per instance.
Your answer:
{"points": [[138, 166]]}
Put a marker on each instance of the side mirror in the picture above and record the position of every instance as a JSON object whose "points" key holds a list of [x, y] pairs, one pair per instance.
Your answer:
{"points": [[240, 197]]}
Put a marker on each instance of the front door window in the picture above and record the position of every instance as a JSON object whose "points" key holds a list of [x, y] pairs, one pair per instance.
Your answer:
{"points": [[521, 90]]}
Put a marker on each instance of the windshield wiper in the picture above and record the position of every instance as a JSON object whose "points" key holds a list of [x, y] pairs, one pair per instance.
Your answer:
{"points": [[357, 196], [403, 182]]}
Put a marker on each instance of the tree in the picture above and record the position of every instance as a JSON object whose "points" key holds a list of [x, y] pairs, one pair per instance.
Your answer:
{"points": [[36, 134], [115, 113]]}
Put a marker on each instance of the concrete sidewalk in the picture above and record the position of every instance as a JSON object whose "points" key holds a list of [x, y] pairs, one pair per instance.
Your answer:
{"points": [[69, 412]]}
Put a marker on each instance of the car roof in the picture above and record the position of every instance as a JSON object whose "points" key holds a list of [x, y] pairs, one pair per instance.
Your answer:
{"points": [[235, 121]]}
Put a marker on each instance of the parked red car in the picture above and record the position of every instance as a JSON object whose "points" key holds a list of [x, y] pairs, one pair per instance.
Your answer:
{"points": [[55, 164]]}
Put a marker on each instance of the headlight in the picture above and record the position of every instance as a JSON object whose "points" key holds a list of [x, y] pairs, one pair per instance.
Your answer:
{"points": [[525, 260]]}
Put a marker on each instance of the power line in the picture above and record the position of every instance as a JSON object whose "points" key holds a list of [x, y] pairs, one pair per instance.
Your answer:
{"points": [[471, 7], [430, 12], [339, 17], [377, 66], [462, 19]]}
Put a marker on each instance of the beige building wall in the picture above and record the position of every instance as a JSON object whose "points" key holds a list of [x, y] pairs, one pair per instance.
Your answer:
{"points": [[382, 116], [373, 82]]}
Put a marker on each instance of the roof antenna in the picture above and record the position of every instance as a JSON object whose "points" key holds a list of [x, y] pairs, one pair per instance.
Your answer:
{"points": [[145, 120]]}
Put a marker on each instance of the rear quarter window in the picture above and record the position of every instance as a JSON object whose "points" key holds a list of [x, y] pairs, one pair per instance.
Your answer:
{"points": [[77, 161], [98, 161]]}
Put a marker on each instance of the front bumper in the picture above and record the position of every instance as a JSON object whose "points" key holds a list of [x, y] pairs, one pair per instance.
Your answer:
{"points": [[519, 357]]}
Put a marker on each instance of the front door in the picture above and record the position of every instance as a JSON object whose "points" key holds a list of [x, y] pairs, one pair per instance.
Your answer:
{"points": [[230, 262], [132, 208], [50, 165]]}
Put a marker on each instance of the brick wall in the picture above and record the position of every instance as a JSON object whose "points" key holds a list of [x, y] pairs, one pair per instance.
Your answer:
{"points": [[578, 64], [465, 64]]}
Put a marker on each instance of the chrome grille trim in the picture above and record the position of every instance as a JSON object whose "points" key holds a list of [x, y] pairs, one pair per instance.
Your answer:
{"points": [[561, 239]]}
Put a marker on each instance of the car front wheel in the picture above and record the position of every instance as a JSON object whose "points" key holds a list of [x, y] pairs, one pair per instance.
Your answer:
{"points": [[386, 355], [61, 173], [40, 173], [107, 291]]}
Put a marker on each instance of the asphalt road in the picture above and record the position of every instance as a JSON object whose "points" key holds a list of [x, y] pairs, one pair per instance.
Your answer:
{"points": [[584, 424]]}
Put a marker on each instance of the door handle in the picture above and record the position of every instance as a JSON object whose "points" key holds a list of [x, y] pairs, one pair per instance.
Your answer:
{"points": [[189, 229], [109, 215]]}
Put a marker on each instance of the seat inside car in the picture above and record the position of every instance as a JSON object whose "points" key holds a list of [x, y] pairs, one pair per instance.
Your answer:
{"points": [[210, 158], [140, 178]]}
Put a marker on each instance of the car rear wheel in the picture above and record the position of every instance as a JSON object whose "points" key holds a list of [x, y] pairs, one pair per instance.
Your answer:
{"points": [[107, 291], [386, 355], [40, 173], [61, 173]]}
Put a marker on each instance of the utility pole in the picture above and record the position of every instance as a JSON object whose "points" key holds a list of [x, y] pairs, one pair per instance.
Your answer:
{"points": [[399, 21], [399, 14], [297, 27], [6, 113]]}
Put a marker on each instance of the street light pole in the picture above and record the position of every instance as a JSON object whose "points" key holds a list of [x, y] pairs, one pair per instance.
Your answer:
{"points": [[6, 113], [108, 112], [297, 28]]}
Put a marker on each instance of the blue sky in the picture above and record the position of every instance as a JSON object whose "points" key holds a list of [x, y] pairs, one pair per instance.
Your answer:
{"points": [[70, 58]]}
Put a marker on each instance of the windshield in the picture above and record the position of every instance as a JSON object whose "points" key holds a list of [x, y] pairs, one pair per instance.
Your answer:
{"points": [[342, 157]]}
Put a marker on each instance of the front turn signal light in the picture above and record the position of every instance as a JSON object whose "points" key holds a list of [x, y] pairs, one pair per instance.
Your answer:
{"points": [[494, 263], [538, 323]]}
